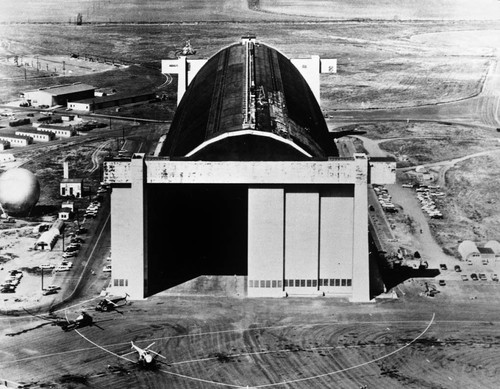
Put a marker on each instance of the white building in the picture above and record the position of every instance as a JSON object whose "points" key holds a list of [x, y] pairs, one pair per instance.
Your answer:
{"points": [[58, 95]]}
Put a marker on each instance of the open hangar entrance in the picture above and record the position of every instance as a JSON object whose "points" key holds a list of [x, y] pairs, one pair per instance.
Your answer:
{"points": [[195, 229]]}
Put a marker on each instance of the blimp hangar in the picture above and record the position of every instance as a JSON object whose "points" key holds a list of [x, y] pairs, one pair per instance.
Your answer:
{"points": [[246, 182]]}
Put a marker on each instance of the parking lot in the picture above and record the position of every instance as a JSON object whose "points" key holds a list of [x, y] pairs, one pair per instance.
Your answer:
{"points": [[49, 275]]}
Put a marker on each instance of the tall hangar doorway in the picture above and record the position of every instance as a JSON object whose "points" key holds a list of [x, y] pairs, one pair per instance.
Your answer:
{"points": [[194, 230]]}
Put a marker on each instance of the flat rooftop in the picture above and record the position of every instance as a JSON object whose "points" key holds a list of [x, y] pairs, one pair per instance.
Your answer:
{"points": [[65, 89]]}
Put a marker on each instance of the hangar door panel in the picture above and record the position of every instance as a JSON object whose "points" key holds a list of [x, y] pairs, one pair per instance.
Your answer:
{"points": [[265, 241], [337, 237], [301, 241]]}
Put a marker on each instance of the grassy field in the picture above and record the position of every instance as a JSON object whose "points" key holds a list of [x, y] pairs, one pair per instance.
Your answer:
{"points": [[156, 11], [387, 9], [378, 65], [425, 143], [472, 188], [128, 11]]}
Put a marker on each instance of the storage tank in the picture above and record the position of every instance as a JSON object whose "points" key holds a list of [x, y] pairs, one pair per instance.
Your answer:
{"points": [[19, 191]]}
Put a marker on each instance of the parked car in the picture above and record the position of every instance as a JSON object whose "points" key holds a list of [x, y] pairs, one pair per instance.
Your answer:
{"points": [[53, 287], [443, 266], [9, 281], [74, 245], [77, 240], [62, 268], [14, 281], [457, 268], [482, 277], [474, 277], [70, 254], [49, 292], [7, 289], [106, 268], [16, 273], [494, 277], [47, 266], [70, 249], [442, 282], [67, 263], [464, 277]]}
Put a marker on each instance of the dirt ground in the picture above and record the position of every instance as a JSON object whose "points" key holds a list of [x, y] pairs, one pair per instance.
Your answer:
{"points": [[208, 342]]}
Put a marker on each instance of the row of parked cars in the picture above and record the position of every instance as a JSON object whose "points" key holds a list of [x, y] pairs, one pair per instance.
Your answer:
{"points": [[70, 251], [384, 198], [480, 276], [426, 194], [92, 209], [11, 282]]}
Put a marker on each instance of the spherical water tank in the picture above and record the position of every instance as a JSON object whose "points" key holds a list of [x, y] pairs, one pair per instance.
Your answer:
{"points": [[19, 191]]}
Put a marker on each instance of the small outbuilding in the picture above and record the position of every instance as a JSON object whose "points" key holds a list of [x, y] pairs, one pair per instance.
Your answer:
{"points": [[70, 187], [65, 214], [49, 238], [470, 251]]}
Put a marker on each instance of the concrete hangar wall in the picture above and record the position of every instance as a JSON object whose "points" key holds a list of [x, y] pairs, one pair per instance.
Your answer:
{"points": [[247, 181]]}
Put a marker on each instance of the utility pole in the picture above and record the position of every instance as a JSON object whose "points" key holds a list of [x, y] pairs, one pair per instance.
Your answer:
{"points": [[42, 278]]}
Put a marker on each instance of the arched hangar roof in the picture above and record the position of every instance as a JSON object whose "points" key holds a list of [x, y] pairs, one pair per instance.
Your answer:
{"points": [[248, 102]]}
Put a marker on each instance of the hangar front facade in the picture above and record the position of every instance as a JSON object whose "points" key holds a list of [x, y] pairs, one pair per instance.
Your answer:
{"points": [[247, 182]]}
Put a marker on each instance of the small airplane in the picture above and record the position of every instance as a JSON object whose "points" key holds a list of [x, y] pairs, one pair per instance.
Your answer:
{"points": [[108, 304], [145, 357], [82, 320]]}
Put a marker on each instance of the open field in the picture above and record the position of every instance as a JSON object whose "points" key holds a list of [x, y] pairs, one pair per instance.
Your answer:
{"points": [[128, 11], [378, 67], [388, 9], [155, 11], [472, 188], [420, 143]]}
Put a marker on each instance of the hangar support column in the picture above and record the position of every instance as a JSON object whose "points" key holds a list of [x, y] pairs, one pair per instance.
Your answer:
{"points": [[360, 265], [129, 232]]}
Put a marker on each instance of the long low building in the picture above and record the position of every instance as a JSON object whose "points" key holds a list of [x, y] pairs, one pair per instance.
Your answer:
{"points": [[91, 104], [17, 140], [58, 95], [247, 182], [58, 131], [37, 136]]}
